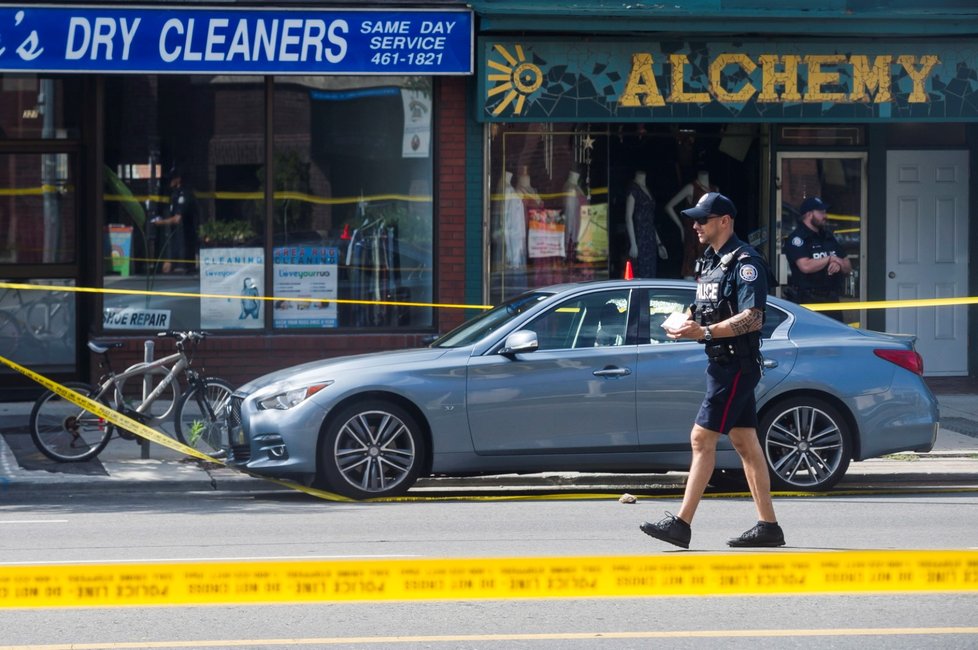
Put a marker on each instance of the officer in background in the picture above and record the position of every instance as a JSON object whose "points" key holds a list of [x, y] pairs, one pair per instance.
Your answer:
{"points": [[172, 229], [818, 264], [731, 294]]}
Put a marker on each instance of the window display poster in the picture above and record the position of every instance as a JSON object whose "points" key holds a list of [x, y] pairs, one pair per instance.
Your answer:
{"points": [[120, 240], [417, 124], [237, 273], [592, 241], [305, 272], [545, 236]]}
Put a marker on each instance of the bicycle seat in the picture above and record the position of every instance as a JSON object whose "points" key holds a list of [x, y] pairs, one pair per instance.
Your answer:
{"points": [[102, 348]]}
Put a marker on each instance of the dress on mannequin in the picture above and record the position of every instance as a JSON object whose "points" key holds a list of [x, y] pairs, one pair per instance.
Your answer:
{"points": [[574, 198], [640, 222], [690, 193], [514, 225]]}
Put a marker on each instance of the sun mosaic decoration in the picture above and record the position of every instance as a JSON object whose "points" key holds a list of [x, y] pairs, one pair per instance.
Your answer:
{"points": [[517, 77]]}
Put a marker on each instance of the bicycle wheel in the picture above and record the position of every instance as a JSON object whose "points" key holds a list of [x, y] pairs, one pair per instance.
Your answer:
{"points": [[199, 420], [65, 432], [162, 406]]}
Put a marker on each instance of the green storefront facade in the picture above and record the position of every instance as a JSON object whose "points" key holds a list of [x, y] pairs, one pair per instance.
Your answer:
{"points": [[872, 106]]}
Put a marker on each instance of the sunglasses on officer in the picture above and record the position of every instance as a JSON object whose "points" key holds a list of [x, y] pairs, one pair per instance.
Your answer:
{"points": [[702, 220]]}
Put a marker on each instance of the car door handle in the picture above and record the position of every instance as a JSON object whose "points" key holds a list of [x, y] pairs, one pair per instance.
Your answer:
{"points": [[770, 363], [612, 371]]}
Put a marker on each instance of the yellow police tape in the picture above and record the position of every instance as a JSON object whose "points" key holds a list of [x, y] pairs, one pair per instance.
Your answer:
{"points": [[143, 431], [828, 306], [178, 294], [106, 585], [731, 574]]}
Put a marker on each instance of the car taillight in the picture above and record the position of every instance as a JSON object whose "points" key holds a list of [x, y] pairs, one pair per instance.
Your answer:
{"points": [[908, 359]]}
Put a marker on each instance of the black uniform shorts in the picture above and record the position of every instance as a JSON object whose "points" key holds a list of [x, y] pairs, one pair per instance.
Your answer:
{"points": [[729, 400]]}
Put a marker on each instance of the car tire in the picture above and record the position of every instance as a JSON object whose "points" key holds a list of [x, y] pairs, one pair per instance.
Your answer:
{"points": [[807, 444], [371, 449]]}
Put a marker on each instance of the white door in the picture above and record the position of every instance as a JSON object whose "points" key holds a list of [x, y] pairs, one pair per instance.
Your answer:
{"points": [[927, 253]]}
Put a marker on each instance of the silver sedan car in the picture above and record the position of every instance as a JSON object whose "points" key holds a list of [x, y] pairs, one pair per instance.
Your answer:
{"points": [[580, 377]]}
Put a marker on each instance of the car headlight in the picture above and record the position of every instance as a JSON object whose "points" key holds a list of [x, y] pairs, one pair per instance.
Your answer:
{"points": [[293, 396]]}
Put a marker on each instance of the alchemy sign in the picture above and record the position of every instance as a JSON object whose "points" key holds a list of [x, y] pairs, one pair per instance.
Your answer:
{"points": [[555, 81]]}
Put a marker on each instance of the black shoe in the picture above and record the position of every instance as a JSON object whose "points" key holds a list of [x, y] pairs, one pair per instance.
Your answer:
{"points": [[672, 529], [764, 534]]}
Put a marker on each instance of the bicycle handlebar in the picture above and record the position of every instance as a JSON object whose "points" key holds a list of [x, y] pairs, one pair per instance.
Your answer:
{"points": [[180, 336]]}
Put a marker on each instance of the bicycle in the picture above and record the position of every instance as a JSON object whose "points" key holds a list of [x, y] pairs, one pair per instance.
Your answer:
{"points": [[66, 433]]}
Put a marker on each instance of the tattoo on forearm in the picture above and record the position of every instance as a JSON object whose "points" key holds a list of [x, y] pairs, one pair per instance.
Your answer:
{"points": [[749, 320]]}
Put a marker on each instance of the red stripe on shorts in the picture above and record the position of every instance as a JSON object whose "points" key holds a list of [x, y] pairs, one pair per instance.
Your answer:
{"points": [[726, 407]]}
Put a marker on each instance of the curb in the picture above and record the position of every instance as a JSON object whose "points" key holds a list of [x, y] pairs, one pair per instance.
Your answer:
{"points": [[944, 469]]}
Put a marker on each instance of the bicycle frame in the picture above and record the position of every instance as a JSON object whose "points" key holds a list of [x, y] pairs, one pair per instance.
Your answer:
{"points": [[115, 380]]}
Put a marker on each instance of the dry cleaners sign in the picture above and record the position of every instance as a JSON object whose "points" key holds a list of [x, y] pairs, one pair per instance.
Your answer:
{"points": [[234, 41]]}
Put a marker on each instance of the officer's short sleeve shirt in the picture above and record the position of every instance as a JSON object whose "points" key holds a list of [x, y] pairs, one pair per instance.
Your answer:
{"points": [[804, 243], [750, 279], [747, 286]]}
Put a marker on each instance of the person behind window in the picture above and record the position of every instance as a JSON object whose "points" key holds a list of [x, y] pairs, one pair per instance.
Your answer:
{"points": [[172, 230], [611, 327], [817, 262]]}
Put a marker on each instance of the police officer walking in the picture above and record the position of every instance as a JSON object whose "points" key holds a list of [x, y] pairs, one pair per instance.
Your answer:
{"points": [[817, 262], [731, 294]]}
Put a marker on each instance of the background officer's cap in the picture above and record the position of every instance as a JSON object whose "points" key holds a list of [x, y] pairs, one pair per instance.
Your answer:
{"points": [[711, 203], [813, 203]]}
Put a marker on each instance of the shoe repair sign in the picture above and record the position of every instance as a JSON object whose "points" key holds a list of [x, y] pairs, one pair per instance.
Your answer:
{"points": [[129, 318]]}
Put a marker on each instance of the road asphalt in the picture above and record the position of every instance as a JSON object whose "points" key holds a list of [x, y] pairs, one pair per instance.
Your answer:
{"points": [[129, 466]]}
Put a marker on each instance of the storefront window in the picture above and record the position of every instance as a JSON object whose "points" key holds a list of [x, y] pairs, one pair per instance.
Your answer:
{"points": [[37, 208], [184, 201], [577, 202], [37, 326], [549, 217], [353, 217], [34, 107]]}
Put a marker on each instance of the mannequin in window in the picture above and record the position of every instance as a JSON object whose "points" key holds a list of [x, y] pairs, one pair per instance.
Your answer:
{"points": [[574, 198], [527, 191], [645, 246], [690, 193], [513, 224]]}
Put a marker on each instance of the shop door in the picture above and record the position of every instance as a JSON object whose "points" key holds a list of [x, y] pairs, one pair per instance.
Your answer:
{"points": [[927, 252], [839, 178]]}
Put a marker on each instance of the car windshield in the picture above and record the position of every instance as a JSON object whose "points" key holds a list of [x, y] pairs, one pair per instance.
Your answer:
{"points": [[484, 324]]}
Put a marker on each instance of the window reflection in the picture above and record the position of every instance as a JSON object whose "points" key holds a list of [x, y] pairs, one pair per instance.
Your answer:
{"points": [[37, 208], [184, 200], [33, 107], [353, 205]]}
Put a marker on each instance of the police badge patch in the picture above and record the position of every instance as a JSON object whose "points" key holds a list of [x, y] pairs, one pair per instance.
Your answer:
{"points": [[748, 273], [796, 241]]}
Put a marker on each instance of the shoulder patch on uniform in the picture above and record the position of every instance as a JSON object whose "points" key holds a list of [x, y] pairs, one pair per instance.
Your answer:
{"points": [[748, 272], [796, 241]]}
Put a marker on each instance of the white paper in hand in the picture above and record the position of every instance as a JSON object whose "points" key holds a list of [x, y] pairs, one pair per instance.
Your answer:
{"points": [[675, 321]]}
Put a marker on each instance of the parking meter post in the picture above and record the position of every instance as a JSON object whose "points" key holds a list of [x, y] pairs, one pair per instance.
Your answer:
{"points": [[148, 352]]}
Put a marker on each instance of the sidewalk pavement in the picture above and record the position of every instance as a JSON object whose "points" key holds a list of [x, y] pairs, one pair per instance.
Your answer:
{"points": [[127, 465]]}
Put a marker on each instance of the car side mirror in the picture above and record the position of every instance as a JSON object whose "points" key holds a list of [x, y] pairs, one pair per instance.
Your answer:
{"points": [[520, 341]]}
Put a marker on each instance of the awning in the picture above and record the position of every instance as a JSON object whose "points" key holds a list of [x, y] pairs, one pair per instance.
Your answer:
{"points": [[729, 17]]}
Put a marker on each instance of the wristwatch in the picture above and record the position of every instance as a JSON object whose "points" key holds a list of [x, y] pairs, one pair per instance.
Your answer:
{"points": [[707, 334]]}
